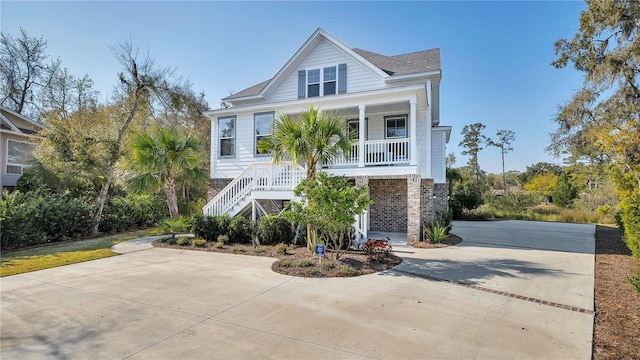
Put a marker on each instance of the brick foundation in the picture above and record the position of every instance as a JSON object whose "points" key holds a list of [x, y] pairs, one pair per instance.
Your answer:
{"points": [[389, 210], [215, 186]]}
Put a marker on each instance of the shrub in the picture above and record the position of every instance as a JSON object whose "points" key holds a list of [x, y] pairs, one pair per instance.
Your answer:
{"points": [[183, 241], [280, 249], [304, 263], [240, 229], [175, 226], [328, 265], [511, 202], [132, 212], [237, 249], [218, 245], [563, 192], [435, 231], [259, 249], [312, 271], [273, 230], [37, 218], [198, 242], [618, 219], [223, 239], [348, 271], [170, 241], [210, 227], [285, 263], [630, 208]]}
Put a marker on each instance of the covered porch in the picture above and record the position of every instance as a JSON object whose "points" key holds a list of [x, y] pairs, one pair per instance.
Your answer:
{"points": [[385, 134]]}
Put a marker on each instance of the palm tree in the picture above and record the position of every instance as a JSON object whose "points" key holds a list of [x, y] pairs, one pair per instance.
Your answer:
{"points": [[164, 158], [313, 137]]}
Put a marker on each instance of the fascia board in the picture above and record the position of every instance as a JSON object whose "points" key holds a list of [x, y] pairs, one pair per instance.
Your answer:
{"points": [[415, 76], [22, 117], [446, 129], [304, 50], [312, 101]]}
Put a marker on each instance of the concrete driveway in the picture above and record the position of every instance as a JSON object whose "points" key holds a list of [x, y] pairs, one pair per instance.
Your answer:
{"points": [[510, 290]]}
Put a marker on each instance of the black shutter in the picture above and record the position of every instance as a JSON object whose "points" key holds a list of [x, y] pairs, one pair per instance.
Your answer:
{"points": [[302, 83], [342, 79]]}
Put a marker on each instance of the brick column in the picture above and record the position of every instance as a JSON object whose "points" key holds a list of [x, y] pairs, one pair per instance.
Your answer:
{"points": [[413, 207]]}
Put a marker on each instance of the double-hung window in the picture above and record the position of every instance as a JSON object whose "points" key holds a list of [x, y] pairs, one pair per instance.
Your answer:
{"points": [[323, 81], [227, 136], [19, 156], [313, 83], [329, 83], [264, 128], [396, 127]]}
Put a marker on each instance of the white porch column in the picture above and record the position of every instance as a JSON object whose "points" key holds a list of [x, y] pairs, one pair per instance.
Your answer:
{"points": [[414, 133], [429, 125], [361, 136]]}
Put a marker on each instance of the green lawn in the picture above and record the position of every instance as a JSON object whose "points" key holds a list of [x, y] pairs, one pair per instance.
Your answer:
{"points": [[48, 256]]}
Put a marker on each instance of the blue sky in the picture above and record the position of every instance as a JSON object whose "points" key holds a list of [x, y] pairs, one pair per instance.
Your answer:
{"points": [[495, 55]]}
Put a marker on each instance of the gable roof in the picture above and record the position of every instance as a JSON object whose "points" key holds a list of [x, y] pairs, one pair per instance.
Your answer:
{"points": [[385, 66], [15, 123]]}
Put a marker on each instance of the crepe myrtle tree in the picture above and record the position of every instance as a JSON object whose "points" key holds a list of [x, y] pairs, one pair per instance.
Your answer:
{"points": [[331, 206]]}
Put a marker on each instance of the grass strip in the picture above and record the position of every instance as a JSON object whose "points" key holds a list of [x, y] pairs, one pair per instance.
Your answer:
{"points": [[49, 256]]}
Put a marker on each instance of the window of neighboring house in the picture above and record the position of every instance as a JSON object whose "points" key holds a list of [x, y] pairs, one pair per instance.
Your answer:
{"points": [[396, 126], [227, 136], [264, 127], [329, 84], [313, 83], [19, 156]]}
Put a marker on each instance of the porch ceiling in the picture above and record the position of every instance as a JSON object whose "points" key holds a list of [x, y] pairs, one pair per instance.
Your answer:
{"points": [[399, 107]]}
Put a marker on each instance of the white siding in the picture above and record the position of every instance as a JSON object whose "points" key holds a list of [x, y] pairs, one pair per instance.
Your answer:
{"points": [[359, 78], [245, 147], [438, 155], [424, 150]]}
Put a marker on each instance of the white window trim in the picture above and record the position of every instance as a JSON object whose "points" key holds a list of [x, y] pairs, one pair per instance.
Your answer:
{"points": [[321, 78], [235, 127], [335, 75], [6, 158], [360, 132], [396, 117], [255, 136]]}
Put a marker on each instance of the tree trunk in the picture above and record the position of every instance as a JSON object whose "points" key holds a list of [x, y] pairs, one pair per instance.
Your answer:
{"points": [[504, 175], [102, 198], [104, 191], [170, 192]]}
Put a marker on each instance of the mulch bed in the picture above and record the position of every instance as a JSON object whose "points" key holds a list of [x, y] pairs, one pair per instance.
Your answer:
{"points": [[298, 261], [616, 333]]}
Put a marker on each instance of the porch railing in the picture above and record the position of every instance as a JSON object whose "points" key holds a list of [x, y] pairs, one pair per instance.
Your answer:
{"points": [[377, 152], [256, 177]]}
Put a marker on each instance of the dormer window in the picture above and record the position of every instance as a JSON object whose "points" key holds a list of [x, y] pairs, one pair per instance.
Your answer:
{"points": [[329, 84], [324, 81], [313, 83]]}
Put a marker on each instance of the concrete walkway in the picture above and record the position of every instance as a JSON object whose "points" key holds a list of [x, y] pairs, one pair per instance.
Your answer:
{"points": [[511, 290]]}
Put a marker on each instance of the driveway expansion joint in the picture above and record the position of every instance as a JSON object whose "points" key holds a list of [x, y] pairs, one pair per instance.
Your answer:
{"points": [[497, 292]]}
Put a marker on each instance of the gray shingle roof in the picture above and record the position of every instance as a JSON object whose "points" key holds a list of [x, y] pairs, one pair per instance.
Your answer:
{"points": [[403, 64], [254, 90]]}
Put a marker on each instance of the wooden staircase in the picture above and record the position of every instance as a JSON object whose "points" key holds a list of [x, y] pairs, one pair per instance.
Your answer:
{"points": [[259, 181]]}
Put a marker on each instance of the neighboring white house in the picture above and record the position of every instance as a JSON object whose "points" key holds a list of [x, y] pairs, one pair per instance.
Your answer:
{"points": [[18, 138], [391, 102]]}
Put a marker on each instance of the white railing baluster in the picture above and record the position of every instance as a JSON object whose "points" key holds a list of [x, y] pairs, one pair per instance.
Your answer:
{"points": [[257, 176]]}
